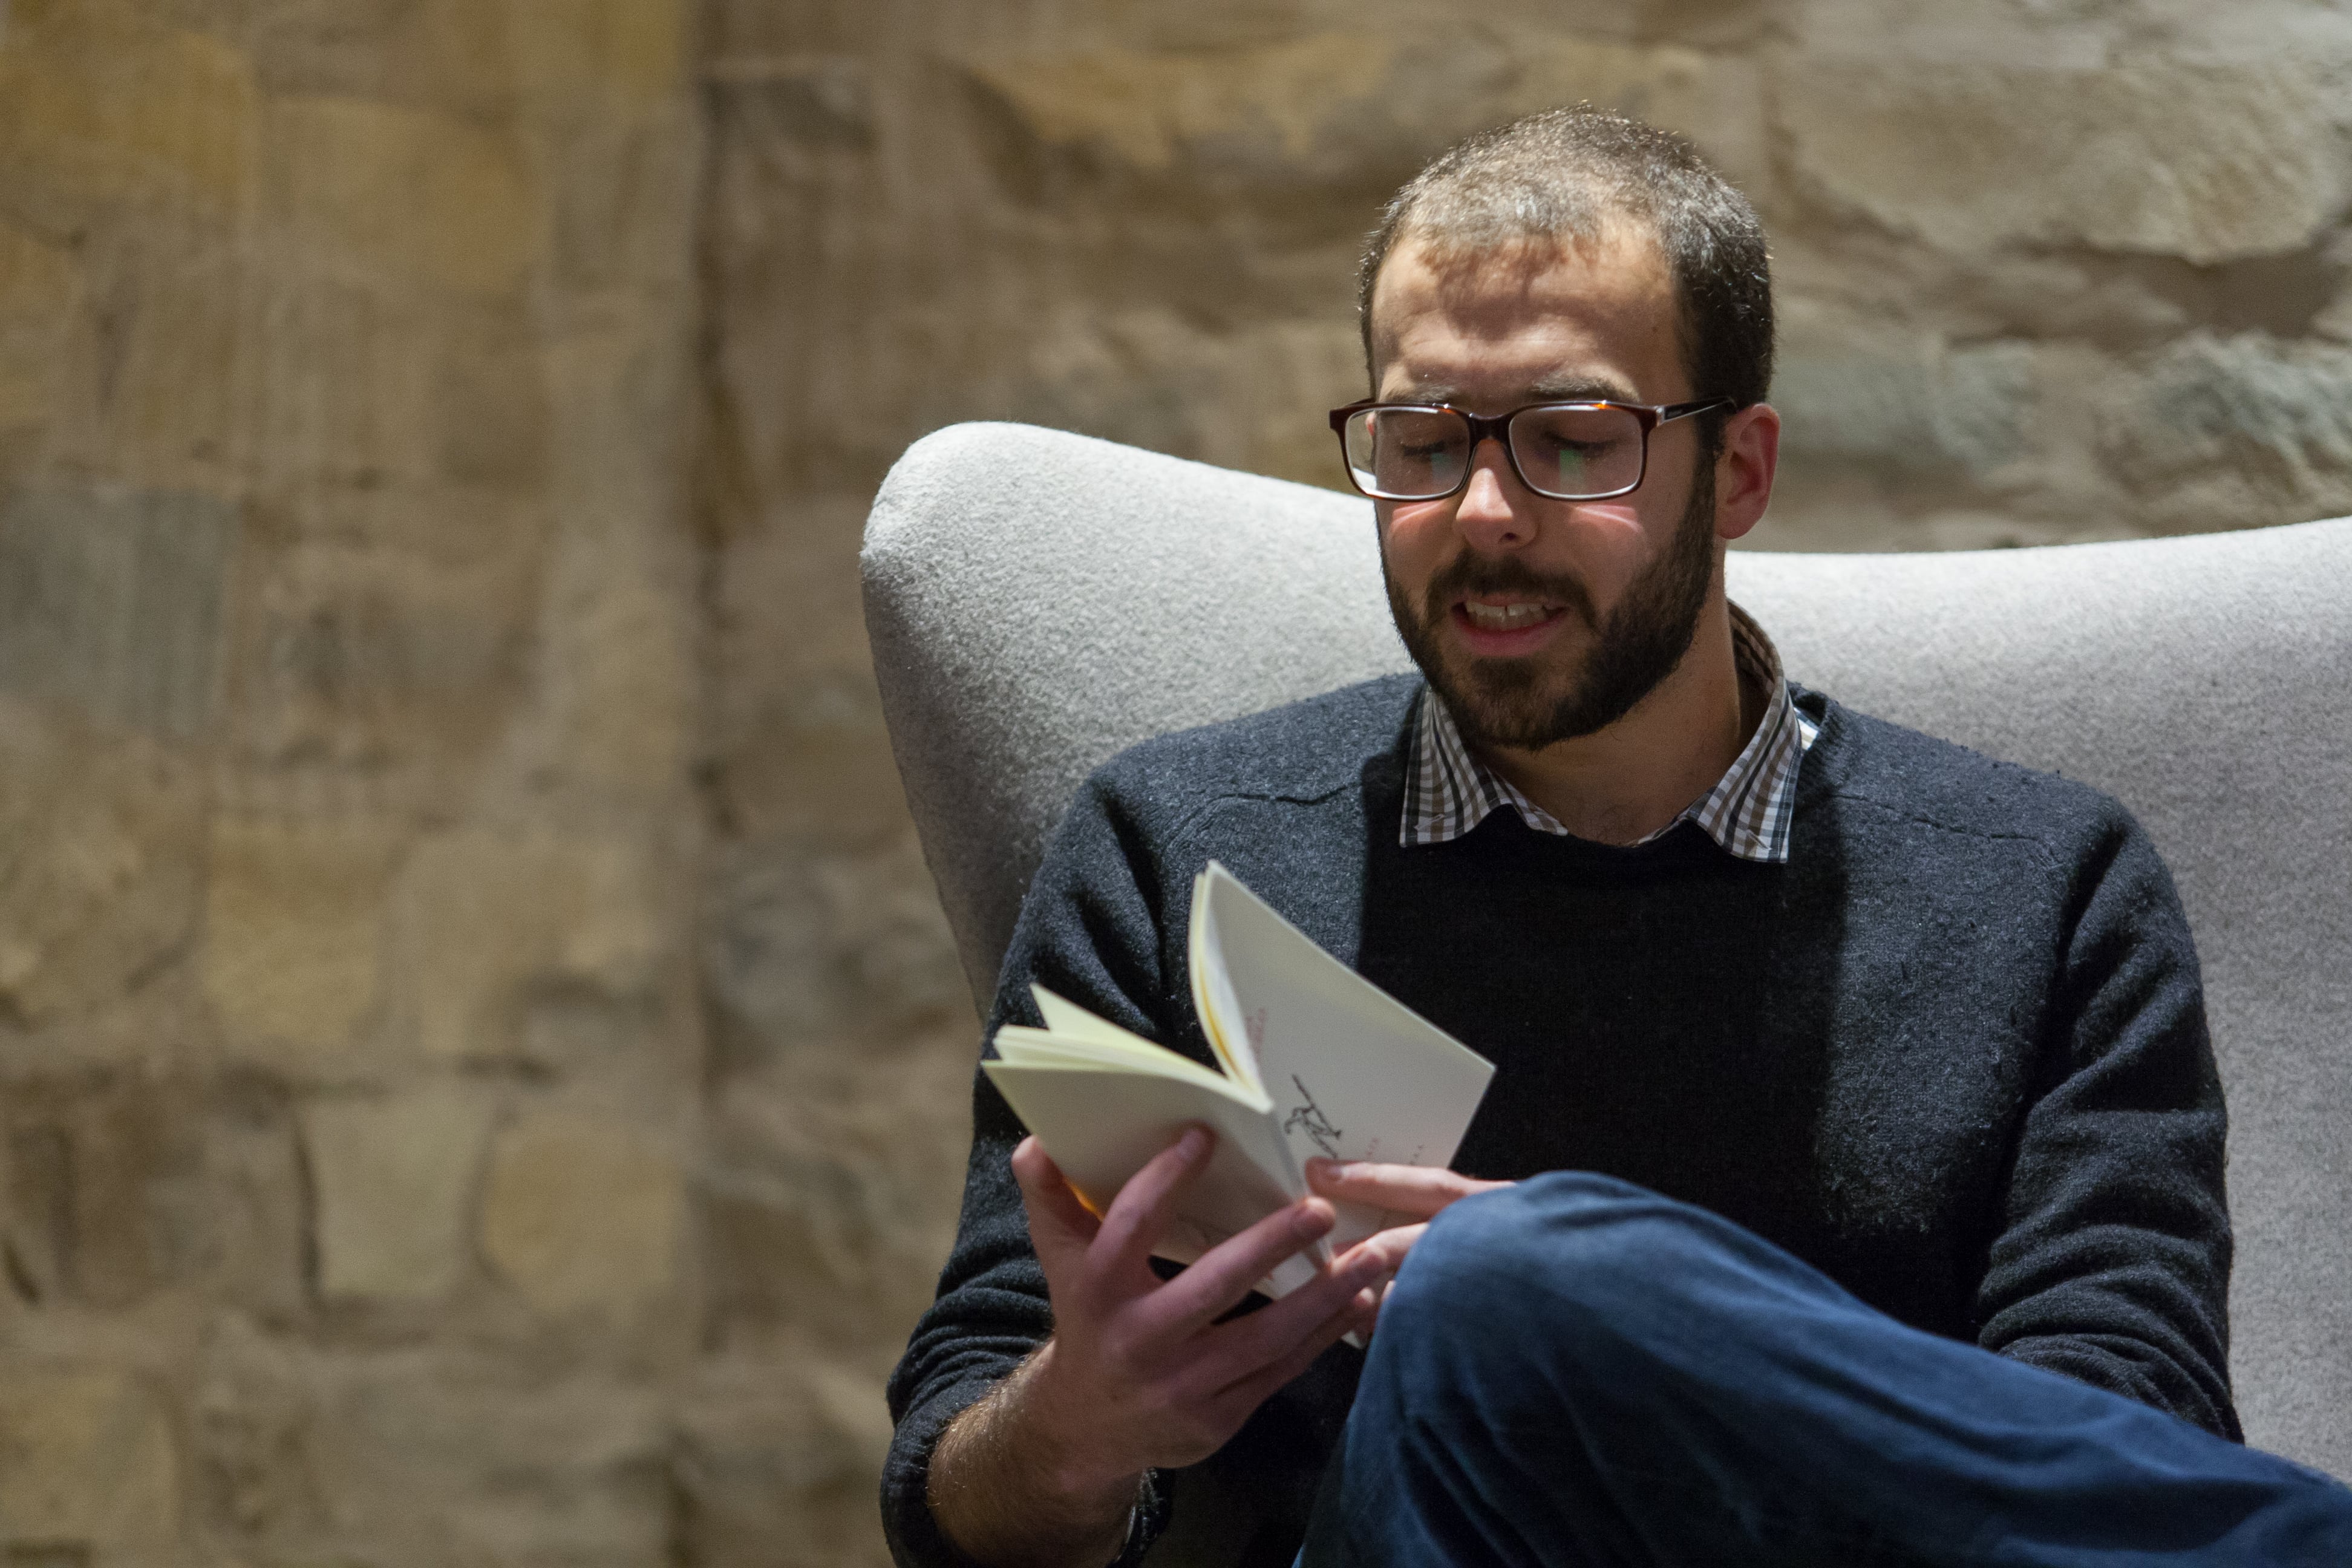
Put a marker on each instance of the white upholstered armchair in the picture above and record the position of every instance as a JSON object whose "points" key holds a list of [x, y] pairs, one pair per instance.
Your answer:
{"points": [[1024, 630]]}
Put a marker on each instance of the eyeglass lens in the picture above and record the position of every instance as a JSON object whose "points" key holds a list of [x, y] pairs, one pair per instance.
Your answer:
{"points": [[1568, 452]]}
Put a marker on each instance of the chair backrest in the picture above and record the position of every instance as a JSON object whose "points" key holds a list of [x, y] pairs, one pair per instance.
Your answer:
{"points": [[1038, 600]]}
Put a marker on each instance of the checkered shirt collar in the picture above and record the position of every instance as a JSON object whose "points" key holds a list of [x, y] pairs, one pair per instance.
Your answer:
{"points": [[1448, 791]]}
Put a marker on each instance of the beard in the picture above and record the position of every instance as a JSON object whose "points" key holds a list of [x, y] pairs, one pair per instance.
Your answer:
{"points": [[1522, 704]]}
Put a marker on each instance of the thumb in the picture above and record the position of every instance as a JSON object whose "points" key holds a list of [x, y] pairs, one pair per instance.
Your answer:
{"points": [[1058, 1222]]}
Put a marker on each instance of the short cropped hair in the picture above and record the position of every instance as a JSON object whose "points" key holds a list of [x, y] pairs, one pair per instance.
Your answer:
{"points": [[1560, 176]]}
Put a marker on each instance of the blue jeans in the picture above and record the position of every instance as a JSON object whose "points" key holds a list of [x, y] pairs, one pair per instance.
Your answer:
{"points": [[1576, 1371]]}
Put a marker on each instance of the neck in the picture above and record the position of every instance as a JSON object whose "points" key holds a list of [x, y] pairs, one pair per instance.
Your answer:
{"points": [[1619, 785]]}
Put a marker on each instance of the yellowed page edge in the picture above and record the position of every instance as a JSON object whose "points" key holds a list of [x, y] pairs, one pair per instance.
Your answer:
{"points": [[1018, 1043]]}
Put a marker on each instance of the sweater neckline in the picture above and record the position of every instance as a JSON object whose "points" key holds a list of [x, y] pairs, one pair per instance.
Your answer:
{"points": [[1683, 844]]}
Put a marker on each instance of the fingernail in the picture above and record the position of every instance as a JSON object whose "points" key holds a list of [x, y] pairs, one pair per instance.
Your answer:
{"points": [[1310, 1221], [1193, 1141]]}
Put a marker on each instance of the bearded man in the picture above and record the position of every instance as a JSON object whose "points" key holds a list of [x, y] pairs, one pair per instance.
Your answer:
{"points": [[1850, 1186]]}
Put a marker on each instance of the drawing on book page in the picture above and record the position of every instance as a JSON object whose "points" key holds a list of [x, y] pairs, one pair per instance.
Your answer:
{"points": [[1309, 1119]]}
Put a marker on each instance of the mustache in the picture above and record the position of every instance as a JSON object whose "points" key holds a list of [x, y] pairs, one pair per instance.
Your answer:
{"points": [[1469, 575]]}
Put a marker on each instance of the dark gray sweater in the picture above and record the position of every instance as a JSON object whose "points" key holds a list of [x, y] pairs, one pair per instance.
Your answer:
{"points": [[1953, 1053]]}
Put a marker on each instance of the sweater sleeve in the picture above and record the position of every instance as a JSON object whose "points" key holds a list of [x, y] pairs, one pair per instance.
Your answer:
{"points": [[2112, 1264], [1091, 931]]}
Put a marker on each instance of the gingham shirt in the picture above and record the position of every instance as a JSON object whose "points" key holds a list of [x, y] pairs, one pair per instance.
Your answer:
{"points": [[1448, 791]]}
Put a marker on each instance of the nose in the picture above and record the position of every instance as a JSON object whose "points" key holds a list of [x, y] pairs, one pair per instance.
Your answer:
{"points": [[1495, 513]]}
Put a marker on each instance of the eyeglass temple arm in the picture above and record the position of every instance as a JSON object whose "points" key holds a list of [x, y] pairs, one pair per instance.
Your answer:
{"points": [[1674, 411]]}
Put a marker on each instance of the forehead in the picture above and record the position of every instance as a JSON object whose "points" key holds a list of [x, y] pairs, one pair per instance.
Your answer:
{"points": [[1501, 323]]}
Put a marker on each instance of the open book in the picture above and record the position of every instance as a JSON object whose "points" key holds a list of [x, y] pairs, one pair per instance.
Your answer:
{"points": [[1317, 1061]]}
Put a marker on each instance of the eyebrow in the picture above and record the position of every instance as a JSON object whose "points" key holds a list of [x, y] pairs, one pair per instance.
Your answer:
{"points": [[1568, 389]]}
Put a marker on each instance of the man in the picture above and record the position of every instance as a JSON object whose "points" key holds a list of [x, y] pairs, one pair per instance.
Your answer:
{"points": [[1850, 1185]]}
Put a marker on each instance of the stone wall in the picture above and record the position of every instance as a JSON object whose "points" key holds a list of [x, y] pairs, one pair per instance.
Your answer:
{"points": [[350, 1041], [482, 1073], [2048, 271]]}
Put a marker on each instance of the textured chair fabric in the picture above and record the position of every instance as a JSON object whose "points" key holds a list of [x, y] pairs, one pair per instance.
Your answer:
{"points": [[1038, 600]]}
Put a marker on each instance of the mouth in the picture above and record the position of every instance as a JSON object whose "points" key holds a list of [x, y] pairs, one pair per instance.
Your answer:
{"points": [[1502, 626]]}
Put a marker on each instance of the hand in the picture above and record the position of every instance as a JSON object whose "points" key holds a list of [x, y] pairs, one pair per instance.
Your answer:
{"points": [[1138, 1372], [1415, 1191]]}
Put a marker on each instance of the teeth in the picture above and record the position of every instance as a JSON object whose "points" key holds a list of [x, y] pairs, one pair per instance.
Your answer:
{"points": [[1503, 618]]}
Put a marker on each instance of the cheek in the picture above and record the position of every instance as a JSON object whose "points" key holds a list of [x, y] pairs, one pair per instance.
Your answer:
{"points": [[1607, 520], [1612, 542], [1414, 538]]}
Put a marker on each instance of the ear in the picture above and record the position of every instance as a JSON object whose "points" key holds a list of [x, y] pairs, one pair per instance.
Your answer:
{"points": [[1743, 472]]}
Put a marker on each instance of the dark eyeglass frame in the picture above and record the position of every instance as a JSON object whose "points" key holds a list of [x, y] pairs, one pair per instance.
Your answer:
{"points": [[1497, 427]]}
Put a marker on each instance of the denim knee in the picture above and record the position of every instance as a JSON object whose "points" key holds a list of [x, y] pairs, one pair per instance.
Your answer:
{"points": [[1569, 1245]]}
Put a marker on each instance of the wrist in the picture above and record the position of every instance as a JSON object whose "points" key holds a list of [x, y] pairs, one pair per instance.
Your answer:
{"points": [[1010, 1482], [1084, 1469]]}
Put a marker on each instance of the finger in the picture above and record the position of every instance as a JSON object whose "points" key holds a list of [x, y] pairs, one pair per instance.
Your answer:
{"points": [[1379, 1293], [1272, 1333], [1416, 1190], [1058, 1222], [1246, 1394], [1139, 1217], [1419, 1190], [1220, 1277], [1389, 1246]]}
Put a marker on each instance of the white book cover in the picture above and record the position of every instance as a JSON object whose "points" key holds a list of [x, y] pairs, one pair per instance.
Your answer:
{"points": [[1317, 1061]]}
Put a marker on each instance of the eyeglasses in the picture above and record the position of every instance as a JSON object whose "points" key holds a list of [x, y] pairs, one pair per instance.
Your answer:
{"points": [[1568, 451]]}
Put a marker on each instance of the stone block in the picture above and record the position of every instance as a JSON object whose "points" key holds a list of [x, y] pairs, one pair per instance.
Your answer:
{"points": [[486, 921], [151, 362], [814, 101], [390, 671], [812, 941], [106, 883], [798, 720], [433, 54], [393, 1178], [1716, 100], [833, 1190], [620, 709], [86, 1458], [359, 386], [1153, 111], [2208, 162], [234, 1227], [294, 927], [778, 1464], [2233, 432], [1342, 117], [489, 407], [102, 109], [625, 55], [620, 722], [413, 198], [428, 1458], [581, 1215], [112, 605], [1964, 413], [37, 288], [623, 203], [250, 1422], [114, 1187], [86, 1163]]}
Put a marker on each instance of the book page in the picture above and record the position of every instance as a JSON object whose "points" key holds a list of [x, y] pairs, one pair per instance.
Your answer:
{"points": [[1070, 1021], [1027, 1047], [1213, 998], [1102, 1124], [1353, 1074]]}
